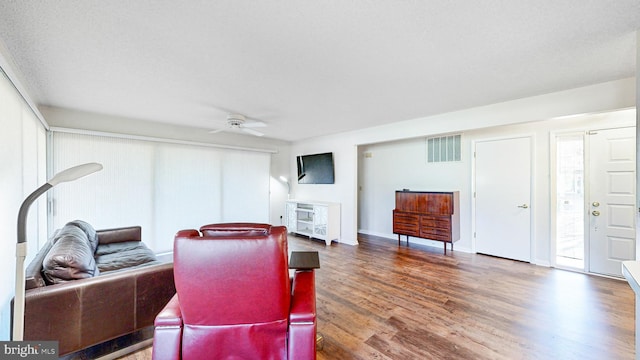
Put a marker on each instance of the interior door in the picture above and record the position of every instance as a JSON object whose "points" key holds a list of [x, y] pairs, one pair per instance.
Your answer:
{"points": [[612, 155], [503, 198]]}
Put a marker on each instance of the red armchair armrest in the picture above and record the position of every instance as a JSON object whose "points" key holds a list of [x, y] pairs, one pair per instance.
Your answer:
{"points": [[302, 318], [168, 331]]}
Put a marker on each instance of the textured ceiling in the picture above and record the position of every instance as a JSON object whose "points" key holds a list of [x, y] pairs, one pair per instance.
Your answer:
{"points": [[309, 68]]}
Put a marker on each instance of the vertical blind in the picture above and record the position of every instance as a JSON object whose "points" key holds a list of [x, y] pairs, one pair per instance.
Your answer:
{"points": [[23, 159], [22, 170], [161, 186]]}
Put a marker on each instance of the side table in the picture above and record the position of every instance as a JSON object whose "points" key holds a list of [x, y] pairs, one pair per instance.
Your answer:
{"points": [[307, 260], [304, 260]]}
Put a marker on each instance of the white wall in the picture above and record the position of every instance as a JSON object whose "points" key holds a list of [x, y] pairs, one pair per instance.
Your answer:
{"points": [[279, 189], [402, 164], [596, 98], [342, 191]]}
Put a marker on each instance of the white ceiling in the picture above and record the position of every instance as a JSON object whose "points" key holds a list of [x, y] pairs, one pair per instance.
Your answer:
{"points": [[309, 68]]}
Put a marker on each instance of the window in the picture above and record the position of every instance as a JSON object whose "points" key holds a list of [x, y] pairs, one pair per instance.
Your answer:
{"points": [[162, 186], [23, 159], [570, 173]]}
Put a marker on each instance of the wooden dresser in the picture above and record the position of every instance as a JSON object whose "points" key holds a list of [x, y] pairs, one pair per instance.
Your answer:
{"points": [[428, 215]]}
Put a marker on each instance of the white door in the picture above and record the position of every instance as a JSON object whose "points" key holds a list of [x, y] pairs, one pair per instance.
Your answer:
{"points": [[503, 198], [612, 155]]}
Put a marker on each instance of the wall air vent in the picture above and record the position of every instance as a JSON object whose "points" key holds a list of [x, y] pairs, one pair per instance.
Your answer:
{"points": [[444, 148]]}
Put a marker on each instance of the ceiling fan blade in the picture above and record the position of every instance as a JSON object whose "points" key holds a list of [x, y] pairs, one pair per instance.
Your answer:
{"points": [[216, 131], [254, 124], [251, 131]]}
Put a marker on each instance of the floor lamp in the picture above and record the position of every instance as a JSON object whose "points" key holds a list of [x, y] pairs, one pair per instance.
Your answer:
{"points": [[284, 179], [69, 174]]}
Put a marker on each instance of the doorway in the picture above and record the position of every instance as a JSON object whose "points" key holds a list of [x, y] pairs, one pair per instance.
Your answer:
{"points": [[595, 200]]}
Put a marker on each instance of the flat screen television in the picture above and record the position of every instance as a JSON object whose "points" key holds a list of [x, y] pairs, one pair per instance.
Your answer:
{"points": [[315, 169]]}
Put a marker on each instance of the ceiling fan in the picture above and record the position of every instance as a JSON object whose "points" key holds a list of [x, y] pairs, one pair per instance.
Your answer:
{"points": [[238, 122]]}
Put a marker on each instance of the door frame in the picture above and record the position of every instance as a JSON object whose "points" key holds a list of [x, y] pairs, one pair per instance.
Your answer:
{"points": [[532, 190], [553, 191]]}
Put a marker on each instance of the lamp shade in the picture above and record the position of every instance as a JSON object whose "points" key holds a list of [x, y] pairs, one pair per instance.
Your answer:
{"points": [[74, 173]]}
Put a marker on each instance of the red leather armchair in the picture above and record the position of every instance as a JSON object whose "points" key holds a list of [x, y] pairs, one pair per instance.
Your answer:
{"points": [[235, 298]]}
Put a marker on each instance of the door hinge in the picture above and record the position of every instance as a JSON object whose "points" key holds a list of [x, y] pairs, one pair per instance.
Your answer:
{"points": [[591, 132]]}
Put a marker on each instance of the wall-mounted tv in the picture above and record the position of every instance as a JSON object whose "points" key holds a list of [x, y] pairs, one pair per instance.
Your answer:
{"points": [[315, 169]]}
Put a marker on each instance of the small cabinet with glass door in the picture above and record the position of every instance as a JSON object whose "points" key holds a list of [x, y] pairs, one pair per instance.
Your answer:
{"points": [[320, 220]]}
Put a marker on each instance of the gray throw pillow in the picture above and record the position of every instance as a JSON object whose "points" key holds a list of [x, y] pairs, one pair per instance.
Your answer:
{"points": [[92, 236], [70, 257]]}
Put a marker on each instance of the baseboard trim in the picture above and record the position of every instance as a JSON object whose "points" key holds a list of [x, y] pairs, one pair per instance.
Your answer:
{"points": [[115, 348], [127, 350]]}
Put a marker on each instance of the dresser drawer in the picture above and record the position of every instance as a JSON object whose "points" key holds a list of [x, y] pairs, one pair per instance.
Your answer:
{"points": [[406, 223], [435, 234], [442, 222]]}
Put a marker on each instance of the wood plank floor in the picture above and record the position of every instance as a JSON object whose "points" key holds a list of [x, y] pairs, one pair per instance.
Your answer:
{"points": [[381, 301]]}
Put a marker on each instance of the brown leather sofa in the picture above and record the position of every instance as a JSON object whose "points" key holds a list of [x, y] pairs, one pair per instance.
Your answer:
{"points": [[121, 295]]}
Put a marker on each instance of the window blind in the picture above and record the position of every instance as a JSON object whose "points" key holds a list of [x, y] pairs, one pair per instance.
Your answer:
{"points": [[23, 159], [161, 186]]}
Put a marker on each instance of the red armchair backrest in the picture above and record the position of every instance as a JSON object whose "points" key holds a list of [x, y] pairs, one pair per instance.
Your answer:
{"points": [[234, 289]]}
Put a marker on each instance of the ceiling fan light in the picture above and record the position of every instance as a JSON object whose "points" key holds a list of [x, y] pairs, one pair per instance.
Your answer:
{"points": [[237, 122], [236, 118]]}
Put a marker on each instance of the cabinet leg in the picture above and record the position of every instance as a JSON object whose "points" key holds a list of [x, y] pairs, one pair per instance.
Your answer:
{"points": [[399, 243], [445, 247]]}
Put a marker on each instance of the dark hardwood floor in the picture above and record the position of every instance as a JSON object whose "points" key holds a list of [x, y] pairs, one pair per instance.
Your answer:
{"points": [[381, 301]]}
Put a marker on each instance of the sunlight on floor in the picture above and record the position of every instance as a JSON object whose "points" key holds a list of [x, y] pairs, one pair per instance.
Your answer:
{"points": [[567, 262]]}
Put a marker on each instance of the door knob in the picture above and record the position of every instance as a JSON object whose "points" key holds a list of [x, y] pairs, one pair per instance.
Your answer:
{"points": [[523, 206], [595, 213], [595, 204]]}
